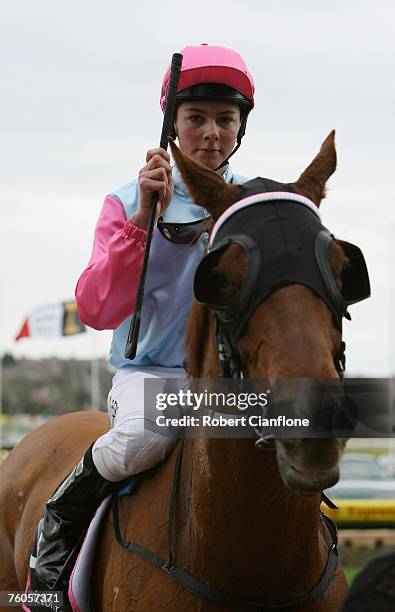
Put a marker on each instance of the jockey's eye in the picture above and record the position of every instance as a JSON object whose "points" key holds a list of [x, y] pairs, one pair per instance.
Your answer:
{"points": [[225, 121], [195, 119]]}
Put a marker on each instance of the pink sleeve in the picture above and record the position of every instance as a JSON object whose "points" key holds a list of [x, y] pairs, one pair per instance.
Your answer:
{"points": [[106, 290]]}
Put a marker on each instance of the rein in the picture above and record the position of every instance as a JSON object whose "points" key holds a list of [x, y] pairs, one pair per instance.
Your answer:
{"points": [[200, 588]]}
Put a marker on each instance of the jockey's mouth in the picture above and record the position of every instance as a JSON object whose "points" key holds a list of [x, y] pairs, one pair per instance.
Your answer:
{"points": [[210, 150]]}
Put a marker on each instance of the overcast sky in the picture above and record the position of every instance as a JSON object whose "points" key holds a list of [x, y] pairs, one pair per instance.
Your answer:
{"points": [[80, 106]]}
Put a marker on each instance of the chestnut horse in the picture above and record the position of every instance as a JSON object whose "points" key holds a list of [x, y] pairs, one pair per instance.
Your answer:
{"points": [[248, 520]]}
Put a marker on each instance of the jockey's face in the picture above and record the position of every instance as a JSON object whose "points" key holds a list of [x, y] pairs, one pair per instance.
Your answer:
{"points": [[207, 131]]}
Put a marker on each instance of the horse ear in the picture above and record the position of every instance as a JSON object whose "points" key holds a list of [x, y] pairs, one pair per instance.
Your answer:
{"points": [[207, 188], [311, 182]]}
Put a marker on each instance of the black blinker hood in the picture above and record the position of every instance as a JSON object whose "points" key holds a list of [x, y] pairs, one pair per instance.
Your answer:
{"points": [[285, 243]]}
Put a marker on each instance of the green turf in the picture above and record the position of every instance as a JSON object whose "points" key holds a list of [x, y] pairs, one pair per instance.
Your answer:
{"points": [[351, 571]]}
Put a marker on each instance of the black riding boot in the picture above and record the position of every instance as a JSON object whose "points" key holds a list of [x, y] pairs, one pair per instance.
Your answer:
{"points": [[67, 516]]}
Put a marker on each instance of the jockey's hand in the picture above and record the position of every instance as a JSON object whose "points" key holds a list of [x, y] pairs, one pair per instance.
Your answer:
{"points": [[154, 176]]}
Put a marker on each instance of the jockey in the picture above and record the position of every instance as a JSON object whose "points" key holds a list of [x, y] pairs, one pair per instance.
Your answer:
{"points": [[215, 95]]}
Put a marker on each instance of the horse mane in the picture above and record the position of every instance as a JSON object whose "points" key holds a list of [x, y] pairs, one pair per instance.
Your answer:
{"points": [[195, 338]]}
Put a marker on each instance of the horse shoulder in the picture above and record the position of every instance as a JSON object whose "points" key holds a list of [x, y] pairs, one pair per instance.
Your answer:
{"points": [[135, 582]]}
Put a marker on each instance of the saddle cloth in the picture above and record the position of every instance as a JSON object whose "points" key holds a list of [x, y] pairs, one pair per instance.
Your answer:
{"points": [[82, 575]]}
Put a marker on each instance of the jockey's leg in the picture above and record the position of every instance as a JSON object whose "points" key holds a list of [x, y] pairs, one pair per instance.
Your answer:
{"points": [[66, 517], [128, 448]]}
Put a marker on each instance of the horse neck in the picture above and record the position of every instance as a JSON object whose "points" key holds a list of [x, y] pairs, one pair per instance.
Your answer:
{"points": [[242, 526], [244, 531]]}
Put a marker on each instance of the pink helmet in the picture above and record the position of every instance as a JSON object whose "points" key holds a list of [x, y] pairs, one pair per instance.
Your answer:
{"points": [[216, 65], [209, 72]]}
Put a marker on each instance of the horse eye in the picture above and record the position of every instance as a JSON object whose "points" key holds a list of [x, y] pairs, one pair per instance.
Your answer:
{"points": [[219, 279], [345, 269]]}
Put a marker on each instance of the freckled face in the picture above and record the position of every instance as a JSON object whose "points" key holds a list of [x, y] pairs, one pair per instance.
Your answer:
{"points": [[207, 131]]}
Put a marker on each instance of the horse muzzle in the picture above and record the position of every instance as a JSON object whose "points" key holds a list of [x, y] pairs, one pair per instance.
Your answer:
{"points": [[308, 461], [309, 477]]}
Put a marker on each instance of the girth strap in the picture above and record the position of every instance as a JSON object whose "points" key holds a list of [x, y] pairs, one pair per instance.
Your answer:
{"points": [[196, 586]]}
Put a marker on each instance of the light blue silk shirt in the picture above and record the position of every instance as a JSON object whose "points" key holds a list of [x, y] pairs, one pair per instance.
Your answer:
{"points": [[169, 282]]}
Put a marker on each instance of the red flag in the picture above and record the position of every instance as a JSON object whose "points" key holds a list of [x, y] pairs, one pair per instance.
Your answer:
{"points": [[52, 321], [24, 331]]}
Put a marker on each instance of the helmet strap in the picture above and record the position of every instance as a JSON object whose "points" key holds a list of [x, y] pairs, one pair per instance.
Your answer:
{"points": [[229, 156], [242, 131]]}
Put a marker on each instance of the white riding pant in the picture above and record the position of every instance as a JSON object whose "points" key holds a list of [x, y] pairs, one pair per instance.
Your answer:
{"points": [[129, 448]]}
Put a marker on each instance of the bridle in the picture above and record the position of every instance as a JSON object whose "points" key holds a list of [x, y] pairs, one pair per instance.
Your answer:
{"points": [[237, 226], [288, 234]]}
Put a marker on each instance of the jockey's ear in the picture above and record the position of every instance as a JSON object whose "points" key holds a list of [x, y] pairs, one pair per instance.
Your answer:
{"points": [[206, 187], [311, 182]]}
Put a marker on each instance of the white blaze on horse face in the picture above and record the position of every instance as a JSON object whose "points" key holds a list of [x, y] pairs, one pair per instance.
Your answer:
{"points": [[207, 131]]}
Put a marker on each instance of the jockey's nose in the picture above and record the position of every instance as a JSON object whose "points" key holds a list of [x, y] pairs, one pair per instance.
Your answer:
{"points": [[212, 130]]}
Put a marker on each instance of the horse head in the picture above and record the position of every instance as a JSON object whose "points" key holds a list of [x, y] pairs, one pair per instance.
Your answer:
{"points": [[278, 284]]}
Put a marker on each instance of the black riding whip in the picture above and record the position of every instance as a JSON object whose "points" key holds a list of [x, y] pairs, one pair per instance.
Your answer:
{"points": [[133, 335]]}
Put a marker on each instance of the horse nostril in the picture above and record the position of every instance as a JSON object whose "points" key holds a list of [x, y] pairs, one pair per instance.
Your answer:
{"points": [[345, 417], [330, 413]]}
